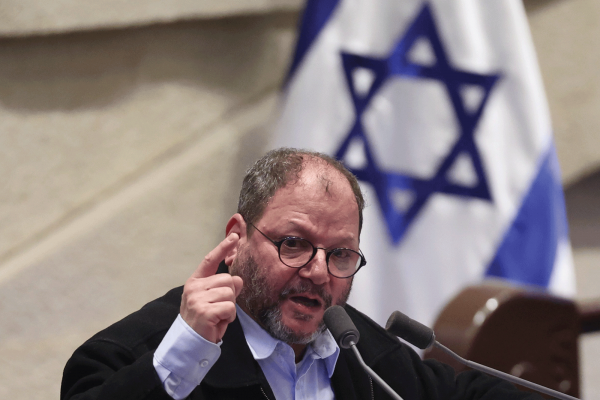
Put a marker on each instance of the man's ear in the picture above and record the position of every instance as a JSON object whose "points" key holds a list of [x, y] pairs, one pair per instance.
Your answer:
{"points": [[236, 225]]}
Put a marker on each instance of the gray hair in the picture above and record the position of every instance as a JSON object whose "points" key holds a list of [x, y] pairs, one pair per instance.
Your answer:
{"points": [[276, 170]]}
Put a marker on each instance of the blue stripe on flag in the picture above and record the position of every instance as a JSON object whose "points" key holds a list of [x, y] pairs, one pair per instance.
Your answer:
{"points": [[528, 251], [316, 14]]}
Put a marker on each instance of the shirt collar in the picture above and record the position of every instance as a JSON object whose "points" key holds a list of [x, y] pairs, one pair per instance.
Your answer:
{"points": [[262, 344]]}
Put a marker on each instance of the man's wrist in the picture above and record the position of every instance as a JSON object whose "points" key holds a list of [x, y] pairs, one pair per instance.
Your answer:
{"points": [[183, 359]]}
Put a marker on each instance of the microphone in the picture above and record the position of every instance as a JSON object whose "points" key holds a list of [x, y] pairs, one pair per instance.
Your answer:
{"points": [[410, 330], [423, 337], [346, 335], [341, 326]]}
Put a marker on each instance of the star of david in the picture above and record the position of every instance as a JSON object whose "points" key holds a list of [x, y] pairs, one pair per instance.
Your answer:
{"points": [[398, 64]]}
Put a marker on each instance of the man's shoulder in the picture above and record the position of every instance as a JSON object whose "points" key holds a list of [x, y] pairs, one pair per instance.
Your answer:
{"points": [[146, 326]]}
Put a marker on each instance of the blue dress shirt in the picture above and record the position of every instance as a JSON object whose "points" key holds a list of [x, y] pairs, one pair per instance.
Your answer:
{"points": [[183, 359]]}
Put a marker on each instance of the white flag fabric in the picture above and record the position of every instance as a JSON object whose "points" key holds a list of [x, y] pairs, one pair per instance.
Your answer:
{"points": [[438, 108]]}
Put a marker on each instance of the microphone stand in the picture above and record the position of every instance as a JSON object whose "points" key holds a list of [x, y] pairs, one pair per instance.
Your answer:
{"points": [[423, 337], [372, 373], [503, 375]]}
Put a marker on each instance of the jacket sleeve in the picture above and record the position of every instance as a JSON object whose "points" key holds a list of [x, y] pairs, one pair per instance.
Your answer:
{"points": [[103, 370], [117, 363]]}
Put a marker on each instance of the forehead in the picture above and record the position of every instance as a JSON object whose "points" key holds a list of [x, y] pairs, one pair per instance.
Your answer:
{"points": [[319, 180], [321, 195]]}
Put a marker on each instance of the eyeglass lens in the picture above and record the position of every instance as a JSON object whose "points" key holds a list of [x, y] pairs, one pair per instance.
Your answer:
{"points": [[296, 252]]}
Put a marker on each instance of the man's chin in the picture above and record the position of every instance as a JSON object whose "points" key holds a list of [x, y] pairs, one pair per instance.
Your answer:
{"points": [[292, 327]]}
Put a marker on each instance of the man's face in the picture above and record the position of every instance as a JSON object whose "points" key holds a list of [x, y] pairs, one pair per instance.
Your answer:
{"points": [[289, 302]]}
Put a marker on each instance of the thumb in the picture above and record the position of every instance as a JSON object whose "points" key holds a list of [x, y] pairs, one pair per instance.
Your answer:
{"points": [[238, 284]]}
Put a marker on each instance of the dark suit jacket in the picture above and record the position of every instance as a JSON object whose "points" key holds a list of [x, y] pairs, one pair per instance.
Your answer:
{"points": [[116, 363]]}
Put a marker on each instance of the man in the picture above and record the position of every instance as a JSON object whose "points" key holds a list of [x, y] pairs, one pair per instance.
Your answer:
{"points": [[248, 322]]}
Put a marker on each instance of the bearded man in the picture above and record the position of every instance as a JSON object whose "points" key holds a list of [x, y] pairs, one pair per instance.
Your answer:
{"points": [[248, 324]]}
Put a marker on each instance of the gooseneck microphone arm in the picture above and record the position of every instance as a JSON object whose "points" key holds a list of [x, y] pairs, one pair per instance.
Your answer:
{"points": [[346, 335], [503, 375], [373, 375], [423, 337]]}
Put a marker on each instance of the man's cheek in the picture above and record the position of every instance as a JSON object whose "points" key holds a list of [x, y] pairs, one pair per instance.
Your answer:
{"points": [[343, 297]]}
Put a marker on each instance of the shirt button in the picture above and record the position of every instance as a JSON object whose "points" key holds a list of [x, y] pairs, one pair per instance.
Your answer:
{"points": [[204, 363]]}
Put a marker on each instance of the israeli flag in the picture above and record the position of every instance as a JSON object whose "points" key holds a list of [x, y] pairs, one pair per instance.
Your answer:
{"points": [[438, 108]]}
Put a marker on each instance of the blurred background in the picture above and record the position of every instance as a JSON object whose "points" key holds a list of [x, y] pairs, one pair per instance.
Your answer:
{"points": [[125, 130]]}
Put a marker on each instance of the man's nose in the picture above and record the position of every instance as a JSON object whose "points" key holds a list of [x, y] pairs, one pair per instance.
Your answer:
{"points": [[316, 269]]}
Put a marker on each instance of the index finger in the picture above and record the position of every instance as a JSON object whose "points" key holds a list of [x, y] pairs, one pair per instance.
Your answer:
{"points": [[210, 264]]}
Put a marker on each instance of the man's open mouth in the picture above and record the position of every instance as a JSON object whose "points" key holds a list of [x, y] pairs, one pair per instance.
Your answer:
{"points": [[305, 301]]}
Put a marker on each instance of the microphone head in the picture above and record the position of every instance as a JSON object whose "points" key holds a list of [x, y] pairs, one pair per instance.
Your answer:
{"points": [[341, 326], [410, 330]]}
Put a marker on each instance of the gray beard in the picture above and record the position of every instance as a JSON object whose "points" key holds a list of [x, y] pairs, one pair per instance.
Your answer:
{"points": [[257, 298]]}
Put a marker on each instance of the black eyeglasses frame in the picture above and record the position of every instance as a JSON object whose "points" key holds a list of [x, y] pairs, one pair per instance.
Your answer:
{"points": [[278, 243]]}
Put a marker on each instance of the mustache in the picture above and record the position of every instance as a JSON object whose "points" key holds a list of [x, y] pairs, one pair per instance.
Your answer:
{"points": [[303, 287]]}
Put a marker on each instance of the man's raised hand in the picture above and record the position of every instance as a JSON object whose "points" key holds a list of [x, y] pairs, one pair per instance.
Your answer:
{"points": [[208, 301]]}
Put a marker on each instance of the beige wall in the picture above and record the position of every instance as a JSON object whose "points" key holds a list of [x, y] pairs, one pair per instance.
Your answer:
{"points": [[566, 35], [34, 17], [84, 114], [123, 138], [119, 150]]}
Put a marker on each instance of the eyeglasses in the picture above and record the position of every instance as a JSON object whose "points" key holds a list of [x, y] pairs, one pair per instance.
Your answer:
{"points": [[296, 252]]}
